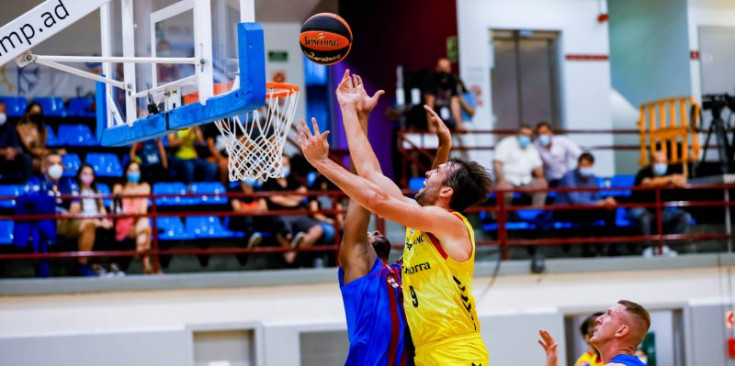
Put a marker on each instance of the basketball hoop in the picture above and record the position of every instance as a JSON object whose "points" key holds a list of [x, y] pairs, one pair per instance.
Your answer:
{"points": [[254, 141]]}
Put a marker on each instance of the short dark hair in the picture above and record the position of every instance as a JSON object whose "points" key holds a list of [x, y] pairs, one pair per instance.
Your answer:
{"points": [[382, 246], [470, 182], [524, 126], [31, 105], [589, 323], [50, 152], [586, 156], [638, 311], [542, 124]]}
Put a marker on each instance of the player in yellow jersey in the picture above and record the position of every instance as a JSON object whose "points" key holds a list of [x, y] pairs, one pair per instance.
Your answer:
{"points": [[591, 357], [440, 249]]}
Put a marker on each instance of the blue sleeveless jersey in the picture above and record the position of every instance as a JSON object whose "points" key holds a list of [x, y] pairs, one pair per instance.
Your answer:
{"points": [[627, 360], [375, 320]]}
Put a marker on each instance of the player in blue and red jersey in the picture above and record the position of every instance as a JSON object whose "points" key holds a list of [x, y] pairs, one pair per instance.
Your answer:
{"points": [[371, 288]]}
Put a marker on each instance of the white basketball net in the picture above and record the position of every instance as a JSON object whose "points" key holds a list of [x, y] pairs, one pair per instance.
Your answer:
{"points": [[255, 143]]}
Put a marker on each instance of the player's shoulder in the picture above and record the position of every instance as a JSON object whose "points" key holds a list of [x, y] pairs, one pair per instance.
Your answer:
{"points": [[614, 364]]}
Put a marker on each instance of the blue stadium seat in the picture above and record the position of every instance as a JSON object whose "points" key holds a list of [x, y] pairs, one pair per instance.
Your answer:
{"points": [[311, 178], [9, 190], [416, 183], [171, 188], [624, 180], [206, 227], [14, 106], [528, 215], [210, 192], [52, 106], [105, 189], [171, 228], [82, 107], [51, 139], [76, 135], [71, 164], [6, 232], [105, 164]]}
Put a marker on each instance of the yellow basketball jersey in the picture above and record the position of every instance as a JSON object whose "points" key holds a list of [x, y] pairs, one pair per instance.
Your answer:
{"points": [[588, 359], [437, 290]]}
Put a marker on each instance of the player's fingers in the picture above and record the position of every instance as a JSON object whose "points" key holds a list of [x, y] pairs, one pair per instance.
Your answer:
{"points": [[378, 94], [542, 344], [325, 134], [359, 80], [304, 130], [346, 75], [315, 126]]}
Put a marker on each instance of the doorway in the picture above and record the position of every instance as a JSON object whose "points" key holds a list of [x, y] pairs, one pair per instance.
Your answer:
{"points": [[525, 77]]}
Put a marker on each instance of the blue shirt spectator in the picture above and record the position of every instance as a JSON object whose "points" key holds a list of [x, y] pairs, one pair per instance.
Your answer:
{"points": [[582, 177]]}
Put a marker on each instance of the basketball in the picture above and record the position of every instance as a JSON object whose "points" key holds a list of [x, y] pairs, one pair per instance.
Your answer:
{"points": [[326, 38]]}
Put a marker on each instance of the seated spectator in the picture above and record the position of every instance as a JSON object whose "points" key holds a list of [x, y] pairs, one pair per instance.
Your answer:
{"points": [[151, 155], [591, 357], [583, 177], [294, 230], [248, 224], [15, 165], [442, 95], [675, 220], [218, 153], [32, 132], [185, 159], [41, 197], [137, 228], [325, 202], [84, 230], [517, 164], [558, 153]]}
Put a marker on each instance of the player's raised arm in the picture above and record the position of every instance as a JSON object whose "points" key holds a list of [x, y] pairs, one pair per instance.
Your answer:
{"points": [[351, 100], [450, 231]]}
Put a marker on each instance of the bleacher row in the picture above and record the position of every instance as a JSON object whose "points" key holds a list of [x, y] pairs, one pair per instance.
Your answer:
{"points": [[52, 106], [169, 227]]}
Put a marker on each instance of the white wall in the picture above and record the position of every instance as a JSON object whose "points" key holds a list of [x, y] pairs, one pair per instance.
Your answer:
{"points": [[585, 85], [706, 13]]}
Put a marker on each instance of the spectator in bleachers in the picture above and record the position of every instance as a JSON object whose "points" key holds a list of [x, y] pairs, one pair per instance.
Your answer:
{"points": [[137, 228], [151, 155], [185, 159], [441, 94], [517, 164], [32, 132], [468, 102], [325, 202], [218, 153], [166, 72], [591, 357], [15, 165], [294, 230], [84, 230], [675, 220], [248, 224], [583, 177], [557, 153]]}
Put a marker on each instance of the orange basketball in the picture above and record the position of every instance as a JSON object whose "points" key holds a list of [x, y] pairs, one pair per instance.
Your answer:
{"points": [[326, 38]]}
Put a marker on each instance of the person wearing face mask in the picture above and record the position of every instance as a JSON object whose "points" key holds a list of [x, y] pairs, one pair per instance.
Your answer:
{"points": [[557, 153], [517, 164], [441, 93], [84, 229], [15, 165], [166, 72], [292, 230], [584, 177], [675, 220], [33, 134], [248, 224], [40, 196], [136, 228]]}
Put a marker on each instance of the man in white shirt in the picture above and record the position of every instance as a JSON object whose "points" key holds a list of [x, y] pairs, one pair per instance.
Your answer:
{"points": [[517, 164], [558, 153]]}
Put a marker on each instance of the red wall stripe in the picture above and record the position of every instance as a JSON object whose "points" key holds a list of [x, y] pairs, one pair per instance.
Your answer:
{"points": [[581, 57]]}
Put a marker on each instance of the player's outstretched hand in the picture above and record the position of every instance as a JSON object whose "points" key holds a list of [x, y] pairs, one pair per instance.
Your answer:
{"points": [[314, 146], [442, 131], [366, 103], [550, 347], [347, 94]]}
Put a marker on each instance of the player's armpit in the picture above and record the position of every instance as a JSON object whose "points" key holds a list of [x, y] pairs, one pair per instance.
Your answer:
{"points": [[445, 226]]}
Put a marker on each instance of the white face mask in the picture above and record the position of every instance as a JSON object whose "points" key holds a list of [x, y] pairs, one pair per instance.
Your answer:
{"points": [[55, 171], [3, 118]]}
